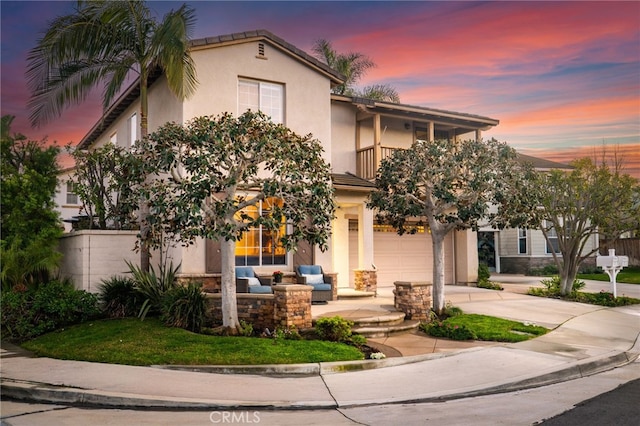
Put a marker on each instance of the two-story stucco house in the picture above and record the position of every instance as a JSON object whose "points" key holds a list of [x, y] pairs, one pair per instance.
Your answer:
{"points": [[258, 70]]}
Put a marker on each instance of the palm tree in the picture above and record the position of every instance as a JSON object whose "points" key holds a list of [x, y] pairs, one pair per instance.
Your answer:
{"points": [[102, 44], [353, 66]]}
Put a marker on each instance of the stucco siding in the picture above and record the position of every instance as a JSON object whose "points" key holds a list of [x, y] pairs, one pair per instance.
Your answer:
{"points": [[307, 93], [343, 138], [92, 256]]}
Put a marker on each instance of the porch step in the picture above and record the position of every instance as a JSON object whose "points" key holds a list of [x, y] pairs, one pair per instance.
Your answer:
{"points": [[384, 319], [387, 330], [372, 323], [350, 293]]}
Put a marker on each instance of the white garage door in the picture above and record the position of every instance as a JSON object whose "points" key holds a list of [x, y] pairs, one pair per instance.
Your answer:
{"points": [[408, 258]]}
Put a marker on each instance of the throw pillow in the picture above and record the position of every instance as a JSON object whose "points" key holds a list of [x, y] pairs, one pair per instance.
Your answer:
{"points": [[253, 281], [315, 279]]}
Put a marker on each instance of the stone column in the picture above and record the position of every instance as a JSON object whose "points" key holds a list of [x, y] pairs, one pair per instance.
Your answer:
{"points": [[413, 298], [292, 306], [365, 280], [334, 288]]}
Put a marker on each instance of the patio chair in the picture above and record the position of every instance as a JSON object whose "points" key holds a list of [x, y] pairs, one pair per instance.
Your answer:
{"points": [[314, 276], [248, 282]]}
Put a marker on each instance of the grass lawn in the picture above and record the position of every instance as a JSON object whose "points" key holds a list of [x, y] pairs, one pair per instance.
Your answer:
{"points": [[134, 342], [483, 327], [629, 275], [497, 329]]}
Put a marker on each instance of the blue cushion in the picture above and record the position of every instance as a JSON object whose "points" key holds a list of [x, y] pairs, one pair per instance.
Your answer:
{"points": [[260, 289], [244, 272], [309, 269], [321, 286]]}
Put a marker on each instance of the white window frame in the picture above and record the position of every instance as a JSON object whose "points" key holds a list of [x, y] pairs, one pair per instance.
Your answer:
{"points": [[522, 238], [262, 96], [260, 247], [74, 200], [134, 128], [552, 234]]}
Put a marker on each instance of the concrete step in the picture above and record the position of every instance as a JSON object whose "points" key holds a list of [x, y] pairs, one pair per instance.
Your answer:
{"points": [[379, 320], [387, 330], [350, 293]]}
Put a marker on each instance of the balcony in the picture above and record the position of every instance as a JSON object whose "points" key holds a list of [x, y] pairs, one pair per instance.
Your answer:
{"points": [[367, 162]]}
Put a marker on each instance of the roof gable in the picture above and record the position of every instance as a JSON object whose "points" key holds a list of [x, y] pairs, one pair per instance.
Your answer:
{"points": [[277, 42], [133, 91]]}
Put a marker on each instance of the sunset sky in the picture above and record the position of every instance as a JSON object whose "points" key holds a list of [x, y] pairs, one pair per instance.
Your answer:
{"points": [[563, 78]]}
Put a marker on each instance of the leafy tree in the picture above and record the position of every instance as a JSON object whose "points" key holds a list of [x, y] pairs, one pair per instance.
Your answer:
{"points": [[104, 180], [30, 225], [212, 169], [353, 66], [451, 185], [576, 205], [101, 44]]}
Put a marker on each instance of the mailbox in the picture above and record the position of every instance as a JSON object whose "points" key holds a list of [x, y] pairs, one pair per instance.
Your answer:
{"points": [[612, 261], [612, 264]]}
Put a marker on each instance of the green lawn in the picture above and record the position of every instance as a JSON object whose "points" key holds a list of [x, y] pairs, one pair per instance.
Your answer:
{"points": [[629, 275], [134, 342], [483, 327], [497, 329]]}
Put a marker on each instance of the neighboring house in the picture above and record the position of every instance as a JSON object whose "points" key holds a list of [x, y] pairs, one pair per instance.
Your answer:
{"points": [[258, 70], [67, 201], [517, 251]]}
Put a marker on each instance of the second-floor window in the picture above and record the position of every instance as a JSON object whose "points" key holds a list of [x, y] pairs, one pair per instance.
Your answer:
{"points": [[72, 196], [261, 96], [522, 241], [133, 129]]}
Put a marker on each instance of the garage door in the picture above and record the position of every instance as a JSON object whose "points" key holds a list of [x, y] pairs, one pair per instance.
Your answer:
{"points": [[407, 257]]}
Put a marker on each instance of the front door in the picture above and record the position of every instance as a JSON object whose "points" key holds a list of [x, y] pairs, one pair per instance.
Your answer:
{"points": [[487, 249]]}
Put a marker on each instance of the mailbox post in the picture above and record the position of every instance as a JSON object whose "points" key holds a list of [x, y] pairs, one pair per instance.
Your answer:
{"points": [[612, 264]]}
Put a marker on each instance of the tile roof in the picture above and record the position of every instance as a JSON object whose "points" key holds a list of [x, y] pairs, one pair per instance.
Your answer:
{"points": [[351, 181], [541, 163]]}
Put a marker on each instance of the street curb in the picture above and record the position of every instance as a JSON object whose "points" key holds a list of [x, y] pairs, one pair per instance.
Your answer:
{"points": [[42, 392], [45, 393], [313, 369]]}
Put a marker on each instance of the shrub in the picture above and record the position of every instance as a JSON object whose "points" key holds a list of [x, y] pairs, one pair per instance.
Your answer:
{"points": [[544, 271], [604, 298], [246, 328], [286, 333], [30, 313], [120, 298], [483, 272], [483, 278], [334, 329], [184, 307], [449, 331], [552, 287], [153, 286]]}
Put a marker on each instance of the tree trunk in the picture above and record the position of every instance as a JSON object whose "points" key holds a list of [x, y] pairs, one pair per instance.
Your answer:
{"points": [[437, 239], [145, 255], [229, 302], [570, 263]]}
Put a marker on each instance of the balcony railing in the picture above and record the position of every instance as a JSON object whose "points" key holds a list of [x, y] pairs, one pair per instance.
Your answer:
{"points": [[366, 164]]}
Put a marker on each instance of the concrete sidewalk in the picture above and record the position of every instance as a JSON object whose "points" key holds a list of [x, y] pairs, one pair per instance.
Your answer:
{"points": [[586, 340]]}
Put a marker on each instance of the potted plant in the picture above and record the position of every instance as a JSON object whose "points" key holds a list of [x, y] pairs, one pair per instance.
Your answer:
{"points": [[277, 276]]}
